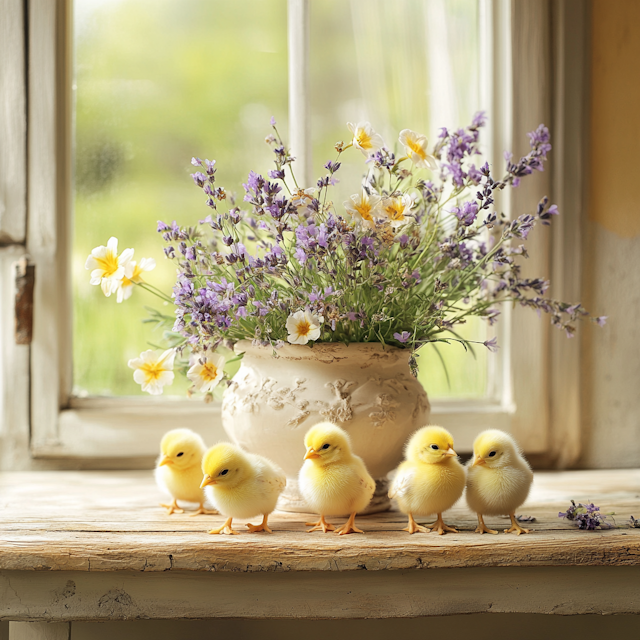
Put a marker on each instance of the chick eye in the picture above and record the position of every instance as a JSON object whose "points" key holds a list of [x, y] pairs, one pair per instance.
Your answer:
{"points": [[493, 453], [434, 447], [224, 472], [180, 454], [325, 446]]}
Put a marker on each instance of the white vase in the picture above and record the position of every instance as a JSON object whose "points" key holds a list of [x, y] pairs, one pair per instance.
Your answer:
{"points": [[365, 388]]}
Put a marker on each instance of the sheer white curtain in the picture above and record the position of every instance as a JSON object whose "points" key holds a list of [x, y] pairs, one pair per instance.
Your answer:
{"points": [[417, 63]]}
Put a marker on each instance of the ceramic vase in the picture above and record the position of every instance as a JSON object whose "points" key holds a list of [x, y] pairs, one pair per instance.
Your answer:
{"points": [[365, 388]]}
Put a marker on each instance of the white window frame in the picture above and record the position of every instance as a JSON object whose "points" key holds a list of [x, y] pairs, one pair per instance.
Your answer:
{"points": [[535, 383]]}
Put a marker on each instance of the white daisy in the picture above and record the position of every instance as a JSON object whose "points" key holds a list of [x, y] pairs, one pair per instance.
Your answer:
{"points": [[303, 326]]}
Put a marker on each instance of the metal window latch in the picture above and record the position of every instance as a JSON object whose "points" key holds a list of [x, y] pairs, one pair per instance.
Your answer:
{"points": [[24, 279]]}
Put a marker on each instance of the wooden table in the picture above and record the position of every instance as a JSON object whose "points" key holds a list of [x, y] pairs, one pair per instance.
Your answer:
{"points": [[96, 546]]}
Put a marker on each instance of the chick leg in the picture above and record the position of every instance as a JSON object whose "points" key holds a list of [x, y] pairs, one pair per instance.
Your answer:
{"points": [[414, 527], [254, 528], [202, 511], [225, 528], [515, 527], [172, 508], [482, 527], [321, 524], [440, 527], [349, 526]]}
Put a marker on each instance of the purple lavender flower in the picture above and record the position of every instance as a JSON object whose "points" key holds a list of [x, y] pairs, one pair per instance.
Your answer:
{"points": [[199, 178], [601, 321], [467, 213], [315, 254], [492, 345], [479, 119], [587, 517], [273, 121]]}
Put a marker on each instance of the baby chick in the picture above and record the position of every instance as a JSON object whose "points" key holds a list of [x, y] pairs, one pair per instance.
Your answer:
{"points": [[241, 485], [178, 469], [431, 480], [332, 479], [498, 479]]}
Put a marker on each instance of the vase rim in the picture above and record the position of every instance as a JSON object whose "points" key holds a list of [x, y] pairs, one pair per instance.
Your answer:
{"points": [[322, 351]]}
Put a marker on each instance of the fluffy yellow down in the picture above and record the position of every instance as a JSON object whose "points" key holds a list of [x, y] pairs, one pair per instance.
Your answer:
{"points": [[241, 484], [333, 481], [431, 480], [178, 467], [497, 484], [498, 479]]}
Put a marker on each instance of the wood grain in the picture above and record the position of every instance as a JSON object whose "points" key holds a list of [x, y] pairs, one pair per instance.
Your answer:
{"points": [[127, 595], [111, 521]]}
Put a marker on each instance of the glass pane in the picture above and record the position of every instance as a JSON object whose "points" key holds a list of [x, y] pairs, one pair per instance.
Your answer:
{"points": [[403, 64], [157, 82]]}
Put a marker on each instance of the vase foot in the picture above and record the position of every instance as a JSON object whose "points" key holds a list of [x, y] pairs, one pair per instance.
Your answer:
{"points": [[292, 501]]}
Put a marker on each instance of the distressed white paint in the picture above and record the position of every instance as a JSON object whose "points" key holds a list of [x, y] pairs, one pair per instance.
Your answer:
{"points": [[46, 229], [12, 123], [128, 427], [14, 371]]}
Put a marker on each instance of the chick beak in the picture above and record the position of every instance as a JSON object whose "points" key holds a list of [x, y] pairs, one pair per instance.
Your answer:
{"points": [[311, 453], [206, 481], [165, 460], [450, 452], [479, 462]]}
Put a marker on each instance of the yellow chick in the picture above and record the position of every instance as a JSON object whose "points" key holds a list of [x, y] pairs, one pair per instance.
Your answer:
{"points": [[498, 479], [431, 480], [178, 469], [241, 485], [332, 479]]}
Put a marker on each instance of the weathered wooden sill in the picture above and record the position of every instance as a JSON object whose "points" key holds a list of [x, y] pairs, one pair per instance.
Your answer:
{"points": [[111, 521]]}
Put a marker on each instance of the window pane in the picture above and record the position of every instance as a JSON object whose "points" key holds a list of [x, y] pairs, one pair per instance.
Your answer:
{"points": [[402, 64], [157, 82]]}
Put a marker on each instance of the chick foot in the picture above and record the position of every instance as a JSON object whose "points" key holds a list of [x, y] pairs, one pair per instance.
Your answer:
{"points": [[414, 527], [254, 528], [172, 508], [482, 527], [225, 528], [440, 527], [321, 524], [515, 527], [349, 527], [202, 511]]}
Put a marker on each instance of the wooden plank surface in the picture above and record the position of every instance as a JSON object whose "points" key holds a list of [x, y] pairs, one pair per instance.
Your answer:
{"points": [[111, 521]]}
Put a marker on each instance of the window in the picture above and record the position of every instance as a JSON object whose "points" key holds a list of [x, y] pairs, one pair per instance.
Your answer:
{"points": [[514, 85]]}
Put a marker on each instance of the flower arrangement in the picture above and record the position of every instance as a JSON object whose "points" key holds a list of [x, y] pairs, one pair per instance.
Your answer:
{"points": [[405, 261]]}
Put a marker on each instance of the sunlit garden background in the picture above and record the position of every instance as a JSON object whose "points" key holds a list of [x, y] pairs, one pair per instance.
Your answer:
{"points": [[160, 81]]}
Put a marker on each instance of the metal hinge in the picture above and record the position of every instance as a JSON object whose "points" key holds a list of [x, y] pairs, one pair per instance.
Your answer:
{"points": [[25, 279]]}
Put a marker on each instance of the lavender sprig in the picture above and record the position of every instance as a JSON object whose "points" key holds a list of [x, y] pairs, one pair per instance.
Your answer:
{"points": [[587, 517], [437, 253]]}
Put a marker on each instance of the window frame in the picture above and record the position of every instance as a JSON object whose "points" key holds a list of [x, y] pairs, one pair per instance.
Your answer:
{"points": [[522, 90]]}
